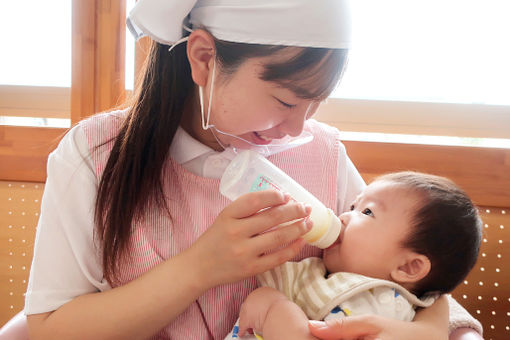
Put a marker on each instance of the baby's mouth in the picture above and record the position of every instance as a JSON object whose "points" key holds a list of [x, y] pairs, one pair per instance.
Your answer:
{"points": [[339, 238]]}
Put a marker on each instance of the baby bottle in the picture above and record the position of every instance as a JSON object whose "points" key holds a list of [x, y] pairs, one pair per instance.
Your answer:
{"points": [[249, 172]]}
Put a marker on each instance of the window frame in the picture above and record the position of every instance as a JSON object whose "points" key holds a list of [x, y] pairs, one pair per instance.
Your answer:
{"points": [[35, 101], [417, 118]]}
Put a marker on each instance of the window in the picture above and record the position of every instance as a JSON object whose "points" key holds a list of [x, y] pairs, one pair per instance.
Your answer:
{"points": [[437, 67], [35, 63], [453, 51], [36, 49]]}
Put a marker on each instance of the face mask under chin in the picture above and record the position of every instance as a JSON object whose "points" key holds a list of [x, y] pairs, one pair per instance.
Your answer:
{"points": [[275, 146]]}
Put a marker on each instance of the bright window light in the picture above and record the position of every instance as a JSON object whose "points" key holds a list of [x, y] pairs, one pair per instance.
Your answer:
{"points": [[36, 42], [450, 51]]}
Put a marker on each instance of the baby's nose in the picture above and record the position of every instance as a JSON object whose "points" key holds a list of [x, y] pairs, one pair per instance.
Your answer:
{"points": [[344, 218]]}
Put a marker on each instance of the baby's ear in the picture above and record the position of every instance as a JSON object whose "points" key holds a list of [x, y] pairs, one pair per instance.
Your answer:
{"points": [[412, 268]]}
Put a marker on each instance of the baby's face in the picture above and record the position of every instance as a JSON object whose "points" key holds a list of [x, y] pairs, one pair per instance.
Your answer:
{"points": [[373, 231]]}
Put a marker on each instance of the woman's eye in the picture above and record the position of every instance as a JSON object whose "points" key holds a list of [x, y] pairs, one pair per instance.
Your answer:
{"points": [[367, 212], [287, 105]]}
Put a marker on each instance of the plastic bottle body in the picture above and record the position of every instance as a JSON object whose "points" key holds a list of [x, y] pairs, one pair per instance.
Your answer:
{"points": [[249, 172]]}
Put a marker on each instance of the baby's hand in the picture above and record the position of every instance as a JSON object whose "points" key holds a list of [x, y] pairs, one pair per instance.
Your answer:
{"points": [[255, 308]]}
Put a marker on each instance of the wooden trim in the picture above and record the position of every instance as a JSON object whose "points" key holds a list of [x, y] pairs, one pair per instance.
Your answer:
{"points": [[482, 172], [110, 66], [24, 151], [83, 46], [35, 101], [437, 119], [98, 56]]}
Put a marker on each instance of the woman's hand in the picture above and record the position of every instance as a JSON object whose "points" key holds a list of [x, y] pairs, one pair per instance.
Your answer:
{"points": [[235, 246]]}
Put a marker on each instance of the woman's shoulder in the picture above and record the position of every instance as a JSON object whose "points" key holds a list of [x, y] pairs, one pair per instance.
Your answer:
{"points": [[325, 134], [102, 128], [101, 123]]}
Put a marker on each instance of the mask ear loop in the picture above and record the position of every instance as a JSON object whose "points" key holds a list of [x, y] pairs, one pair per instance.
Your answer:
{"points": [[186, 28], [205, 125]]}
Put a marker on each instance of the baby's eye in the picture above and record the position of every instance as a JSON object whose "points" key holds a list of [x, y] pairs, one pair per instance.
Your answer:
{"points": [[352, 207], [368, 212]]}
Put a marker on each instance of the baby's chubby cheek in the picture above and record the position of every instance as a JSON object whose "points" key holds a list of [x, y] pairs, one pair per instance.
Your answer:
{"points": [[332, 259]]}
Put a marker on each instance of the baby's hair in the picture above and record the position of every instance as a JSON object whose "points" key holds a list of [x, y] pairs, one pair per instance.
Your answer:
{"points": [[446, 228]]}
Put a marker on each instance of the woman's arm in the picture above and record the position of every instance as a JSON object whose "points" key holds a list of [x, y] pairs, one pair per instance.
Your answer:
{"points": [[145, 305], [136, 310], [15, 328], [465, 334]]}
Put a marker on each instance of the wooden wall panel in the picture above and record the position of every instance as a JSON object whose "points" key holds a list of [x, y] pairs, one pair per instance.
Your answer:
{"points": [[24, 151], [483, 173]]}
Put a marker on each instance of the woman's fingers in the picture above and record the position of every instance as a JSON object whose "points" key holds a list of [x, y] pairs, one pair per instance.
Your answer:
{"points": [[251, 203], [282, 235], [263, 210], [276, 216], [278, 257], [364, 327]]}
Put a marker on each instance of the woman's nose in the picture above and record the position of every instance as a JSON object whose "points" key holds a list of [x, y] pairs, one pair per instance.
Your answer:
{"points": [[293, 125]]}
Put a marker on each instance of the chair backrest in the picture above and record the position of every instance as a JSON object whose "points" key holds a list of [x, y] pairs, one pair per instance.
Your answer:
{"points": [[19, 212], [485, 293]]}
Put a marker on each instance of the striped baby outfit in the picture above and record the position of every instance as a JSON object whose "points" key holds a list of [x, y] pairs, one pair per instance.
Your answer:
{"points": [[341, 294]]}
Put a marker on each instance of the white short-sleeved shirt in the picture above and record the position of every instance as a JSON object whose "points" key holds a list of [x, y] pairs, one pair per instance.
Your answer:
{"points": [[67, 262]]}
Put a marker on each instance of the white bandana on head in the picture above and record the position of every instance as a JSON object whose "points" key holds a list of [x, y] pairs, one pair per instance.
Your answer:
{"points": [[305, 23]]}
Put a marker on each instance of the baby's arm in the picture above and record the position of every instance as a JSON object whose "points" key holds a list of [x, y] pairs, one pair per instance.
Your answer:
{"points": [[269, 313]]}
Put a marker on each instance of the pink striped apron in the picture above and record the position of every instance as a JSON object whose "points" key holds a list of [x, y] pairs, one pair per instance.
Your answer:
{"points": [[194, 203]]}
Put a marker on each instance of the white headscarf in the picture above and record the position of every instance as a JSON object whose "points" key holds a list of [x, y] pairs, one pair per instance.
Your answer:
{"points": [[306, 23]]}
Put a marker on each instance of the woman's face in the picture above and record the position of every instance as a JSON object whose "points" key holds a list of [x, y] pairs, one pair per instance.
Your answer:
{"points": [[255, 110]]}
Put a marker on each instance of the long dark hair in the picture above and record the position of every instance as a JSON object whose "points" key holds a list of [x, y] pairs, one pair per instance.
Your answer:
{"points": [[132, 179]]}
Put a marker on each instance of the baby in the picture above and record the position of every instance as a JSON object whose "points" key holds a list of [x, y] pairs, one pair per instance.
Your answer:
{"points": [[408, 238]]}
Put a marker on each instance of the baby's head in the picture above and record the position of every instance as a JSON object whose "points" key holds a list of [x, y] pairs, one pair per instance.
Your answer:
{"points": [[418, 230]]}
